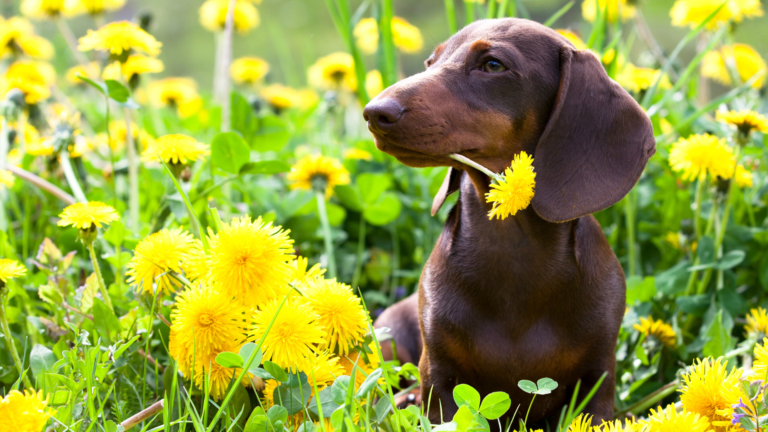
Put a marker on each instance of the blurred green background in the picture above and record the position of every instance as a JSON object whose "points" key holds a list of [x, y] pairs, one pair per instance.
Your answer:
{"points": [[294, 33]]}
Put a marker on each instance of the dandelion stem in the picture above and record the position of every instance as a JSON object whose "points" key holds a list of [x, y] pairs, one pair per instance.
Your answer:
{"points": [[697, 210], [143, 415], [360, 250], [99, 278], [450, 14], [467, 161], [323, 214], [8, 336], [629, 214], [226, 59], [69, 174], [69, 37], [133, 173]]}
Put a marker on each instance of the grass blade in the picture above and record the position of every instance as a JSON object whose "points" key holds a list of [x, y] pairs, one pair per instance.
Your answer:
{"points": [[191, 211], [556, 16]]}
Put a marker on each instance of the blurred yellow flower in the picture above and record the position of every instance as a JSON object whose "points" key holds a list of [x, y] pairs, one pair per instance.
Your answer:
{"points": [[17, 36], [325, 369], [93, 7], [87, 215], [155, 257], [669, 420], [112, 71], [356, 153], [175, 149], [295, 335], [742, 57], [657, 329], [637, 79], [340, 313], [213, 15], [32, 78], [694, 12], [699, 155], [248, 70], [138, 64], [24, 412], [307, 98], [515, 191], [251, 259], [573, 38], [582, 423], [91, 70], [333, 72], [745, 121], [373, 83], [318, 172], [757, 322], [118, 135], [40, 9], [743, 177], [220, 377], [405, 35], [10, 269], [365, 363], [179, 93], [119, 36], [366, 34], [624, 9], [760, 365], [709, 389], [6, 178], [280, 97]]}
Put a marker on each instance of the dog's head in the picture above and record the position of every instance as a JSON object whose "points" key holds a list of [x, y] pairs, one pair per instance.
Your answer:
{"points": [[499, 87]]}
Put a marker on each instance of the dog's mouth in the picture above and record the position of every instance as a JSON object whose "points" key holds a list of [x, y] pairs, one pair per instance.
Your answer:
{"points": [[409, 156]]}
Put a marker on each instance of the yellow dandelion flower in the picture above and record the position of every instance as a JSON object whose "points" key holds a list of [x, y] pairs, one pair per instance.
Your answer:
{"points": [[637, 79], [87, 215], [248, 70], [760, 365], [195, 262], [112, 71], [629, 425], [318, 172], [10, 269], [213, 15], [743, 177], [373, 83], [406, 36], [117, 37], [325, 369], [366, 34], [333, 72], [302, 275], [339, 311], [138, 64], [366, 364], [582, 423], [757, 322], [39, 148], [118, 132], [514, 191], [155, 257], [693, 12], [745, 121], [31, 135], [91, 70], [573, 38], [708, 388], [6, 178], [744, 58], [32, 78], [356, 153], [178, 93], [669, 420], [24, 412], [175, 149], [40, 9], [699, 155], [307, 98], [251, 260], [204, 321], [17, 36], [623, 9], [659, 330], [675, 239], [93, 7], [293, 339], [220, 377], [280, 97]]}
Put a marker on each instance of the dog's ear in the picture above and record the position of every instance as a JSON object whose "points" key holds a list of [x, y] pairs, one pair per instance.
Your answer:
{"points": [[451, 184], [595, 145]]}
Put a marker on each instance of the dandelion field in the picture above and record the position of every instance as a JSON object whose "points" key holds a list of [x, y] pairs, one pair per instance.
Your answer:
{"points": [[177, 256]]}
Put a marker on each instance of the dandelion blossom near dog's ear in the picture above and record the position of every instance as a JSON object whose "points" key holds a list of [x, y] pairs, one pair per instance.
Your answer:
{"points": [[669, 420], [117, 37], [745, 121], [24, 412], [10, 269], [710, 390], [339, 311], [87, 215], [318, 173], [659, 330], [294, 336], [155, 256], [699, 155], [514, 190]]}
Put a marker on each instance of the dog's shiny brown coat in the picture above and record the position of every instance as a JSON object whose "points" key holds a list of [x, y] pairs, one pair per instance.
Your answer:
{"points": [[540, 294]]}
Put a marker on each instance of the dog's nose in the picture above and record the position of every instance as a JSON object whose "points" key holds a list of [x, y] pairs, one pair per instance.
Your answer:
{"points": [[382, 113]]}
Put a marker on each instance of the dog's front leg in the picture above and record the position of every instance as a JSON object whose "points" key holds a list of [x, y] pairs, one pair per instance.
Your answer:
{"points": [[601, 404], [437, 383]]}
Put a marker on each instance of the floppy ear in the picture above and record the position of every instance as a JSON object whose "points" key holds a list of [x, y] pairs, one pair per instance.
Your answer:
{"points": [[451, 184], [595, 145]]}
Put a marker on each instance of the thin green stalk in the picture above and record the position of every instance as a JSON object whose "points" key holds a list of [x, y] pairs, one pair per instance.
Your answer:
{"points": [[560, 12], [491, 9], [322, 213], [697, 210], [525, 422], [467, 161], [629, 214], [450, 14], [133, 173], [650, 400], [389, 69], [359, 255], [502, 12], [8, 337], [469, 7], [99, 278], [226, 59], [69, 38], [69, 174]]}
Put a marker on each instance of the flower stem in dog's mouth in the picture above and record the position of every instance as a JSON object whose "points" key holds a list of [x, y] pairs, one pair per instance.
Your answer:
{"points": [[511, 191]]}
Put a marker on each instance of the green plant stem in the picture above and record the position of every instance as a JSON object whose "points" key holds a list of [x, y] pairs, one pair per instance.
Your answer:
{"points": [[450, 14], [226, 59], [360, 250], [650, 400], [697, 210], [69, 38], [467, 161], [99, 278], [629, 214], [133, 173], [69, 174], [323, 214], [41, 184], [525, 422], [9, 337], [389, 73], [469, 7]]}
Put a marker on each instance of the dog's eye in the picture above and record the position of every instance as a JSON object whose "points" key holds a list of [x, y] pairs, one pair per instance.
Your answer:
{"points": [[493, 66]]}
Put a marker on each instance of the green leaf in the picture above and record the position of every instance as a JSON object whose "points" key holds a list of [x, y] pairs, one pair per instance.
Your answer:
{"points": [[41, 359], [464, 394], [229, 152], [336, 214], [265, 167], [293, 398], [326, 403], [229, 360], [528, 386], [105, 320], [98, 86], [339, 389], [730, 260], [719, 337], [115, 234], [349, 197], [384, 211], [272, 136], [705, 250], [257, 422], [277, 413], [369, 383], [276, 371], [546, 384], [372, 186], [495, 405], [89, 293], [464, 419], [245, 354], [49, 293], [117, 92], [640, 289]]}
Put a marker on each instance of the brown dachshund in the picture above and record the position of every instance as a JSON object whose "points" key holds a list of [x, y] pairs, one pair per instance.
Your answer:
{"points": [[540, 294]]}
